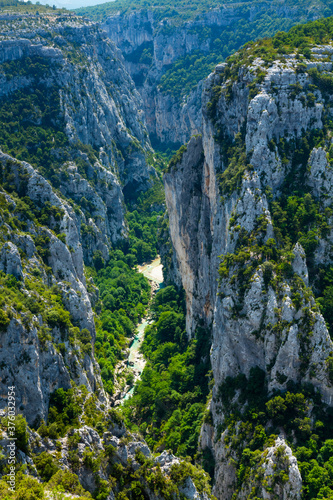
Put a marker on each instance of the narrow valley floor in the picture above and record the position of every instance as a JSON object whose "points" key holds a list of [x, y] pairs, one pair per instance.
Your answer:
{"points": [[153, 271]]}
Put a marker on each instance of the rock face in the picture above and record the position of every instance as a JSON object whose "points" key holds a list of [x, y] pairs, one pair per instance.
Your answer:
{"points": [[153, 41], [98, 156], [10, 260], [276, 459], [252, 310], [28, 360], [99, 104], [168, 121], [97, 456]]}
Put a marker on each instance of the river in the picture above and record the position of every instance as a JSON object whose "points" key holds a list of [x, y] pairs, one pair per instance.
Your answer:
{"points": [[136, 362]]}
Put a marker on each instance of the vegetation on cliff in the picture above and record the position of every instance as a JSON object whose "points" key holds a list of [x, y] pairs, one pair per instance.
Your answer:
{"points": [[169, 401], [300, 212], [180, 12], [248, 21]]}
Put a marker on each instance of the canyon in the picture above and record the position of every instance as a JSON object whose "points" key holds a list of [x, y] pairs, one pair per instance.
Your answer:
{"points": [[239, 338]]}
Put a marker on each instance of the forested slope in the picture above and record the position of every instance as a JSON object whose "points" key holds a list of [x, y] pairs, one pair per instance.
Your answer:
{"points": [[170, 47], [80, 197]]}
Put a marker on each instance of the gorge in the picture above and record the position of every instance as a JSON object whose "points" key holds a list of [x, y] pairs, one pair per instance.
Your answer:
{"points": [[230, 392], [135, 360]]}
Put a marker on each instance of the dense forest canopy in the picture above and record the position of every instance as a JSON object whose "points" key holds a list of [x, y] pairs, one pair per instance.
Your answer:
{"points": [[186, 10], [18, 7]]}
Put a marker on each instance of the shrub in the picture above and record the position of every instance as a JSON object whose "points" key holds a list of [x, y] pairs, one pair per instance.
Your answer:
{"points": [[177, 158], [29, 489], [4, 320], [98, 260], [69, 482], [21, 433], [46, 465], [268, 268], [58, 317]]}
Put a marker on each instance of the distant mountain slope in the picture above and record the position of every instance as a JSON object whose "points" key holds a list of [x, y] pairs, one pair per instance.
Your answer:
{"points": [[169, 47], [178, 12]]}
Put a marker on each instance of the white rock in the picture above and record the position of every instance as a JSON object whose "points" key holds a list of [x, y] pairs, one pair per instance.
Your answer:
{"points": [[10, 260]]}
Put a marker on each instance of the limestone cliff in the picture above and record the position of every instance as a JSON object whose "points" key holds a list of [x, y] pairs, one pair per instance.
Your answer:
{"points": [[98, 103], [92, 145], [31, 358], [73, 148], [154, 40], [220, 193]]}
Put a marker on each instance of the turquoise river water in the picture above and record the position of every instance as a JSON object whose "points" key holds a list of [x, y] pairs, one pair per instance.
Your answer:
{"points": [[152, 271]]}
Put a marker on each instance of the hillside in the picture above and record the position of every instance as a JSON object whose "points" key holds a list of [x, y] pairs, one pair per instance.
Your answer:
{"points": [[250, 210], [180, 12], [76, 173], [233, 398], [171, 46]]}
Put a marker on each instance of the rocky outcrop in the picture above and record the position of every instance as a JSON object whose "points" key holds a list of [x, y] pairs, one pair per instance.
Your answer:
{"points": [[275, 460], [254, 313], [102, 221], [98, 456], [152, 41], [188, 210], [168, 119], [35, 372], [171, 123], [86, 461], [99, 104], [10, 260]]}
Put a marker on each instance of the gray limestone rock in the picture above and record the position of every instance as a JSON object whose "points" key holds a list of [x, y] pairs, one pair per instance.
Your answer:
{"points": [[34, 366], [276, 459], [206, 224], [170, 119], [10, 260], [34, 371], [299, 263]]}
